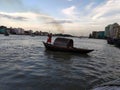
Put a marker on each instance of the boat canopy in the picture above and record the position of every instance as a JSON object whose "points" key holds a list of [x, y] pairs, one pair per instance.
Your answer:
{"points": [[63, 42]]}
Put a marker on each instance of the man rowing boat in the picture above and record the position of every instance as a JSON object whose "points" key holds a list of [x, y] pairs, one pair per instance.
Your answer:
{"points": [[49, 40]]}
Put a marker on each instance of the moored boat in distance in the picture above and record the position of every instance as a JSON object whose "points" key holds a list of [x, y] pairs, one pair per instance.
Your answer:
{"points": [[65, 45], [117, 42], [6, 33], [110, 41]]}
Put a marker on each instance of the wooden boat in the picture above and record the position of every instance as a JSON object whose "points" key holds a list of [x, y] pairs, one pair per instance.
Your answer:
{"points": [[65, 47]]}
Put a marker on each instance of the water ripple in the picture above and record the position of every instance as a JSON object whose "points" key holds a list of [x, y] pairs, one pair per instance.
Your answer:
{"points": [[26, 65]]}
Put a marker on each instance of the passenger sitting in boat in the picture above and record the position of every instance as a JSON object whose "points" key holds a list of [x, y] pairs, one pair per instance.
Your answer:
{"points": [[49, 40]]}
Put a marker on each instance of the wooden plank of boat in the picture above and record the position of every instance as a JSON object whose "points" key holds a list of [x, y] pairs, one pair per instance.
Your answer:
{"points": [[64, 49]]}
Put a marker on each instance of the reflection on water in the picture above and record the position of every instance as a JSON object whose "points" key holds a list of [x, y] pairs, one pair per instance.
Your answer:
{"points": [[26, 65], [63, 56], [57, 55]]}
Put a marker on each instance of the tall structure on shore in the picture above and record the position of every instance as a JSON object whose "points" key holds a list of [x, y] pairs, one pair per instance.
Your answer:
{"points": [[97, 34], [112, 31]]}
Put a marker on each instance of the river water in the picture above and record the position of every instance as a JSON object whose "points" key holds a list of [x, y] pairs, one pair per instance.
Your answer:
{"points": [[26, 65]]}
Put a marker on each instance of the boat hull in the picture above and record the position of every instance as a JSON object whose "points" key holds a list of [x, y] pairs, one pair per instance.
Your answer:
{"points": [[64, 49]]}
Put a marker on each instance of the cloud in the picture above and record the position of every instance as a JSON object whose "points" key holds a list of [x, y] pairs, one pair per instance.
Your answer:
{"points": [[109, 7], [31, 19], [61, 21], [11, 2], [89, 6], [19, 18], [92, 12], [93, 16], [24, 16], [70, 0], [70, 12]]}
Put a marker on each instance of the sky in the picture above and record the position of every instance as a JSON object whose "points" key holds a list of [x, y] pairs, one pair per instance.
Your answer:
{"points": [[76, 17]]}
